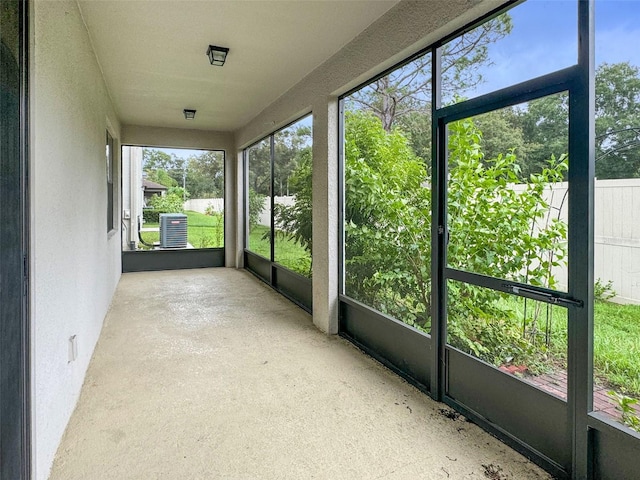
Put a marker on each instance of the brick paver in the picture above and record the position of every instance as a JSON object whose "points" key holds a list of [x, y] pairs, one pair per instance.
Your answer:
{"points": [[555, 383]]}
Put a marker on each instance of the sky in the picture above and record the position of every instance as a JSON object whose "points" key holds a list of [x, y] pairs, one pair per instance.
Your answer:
{"points": [[181, 152], [544, 39]]}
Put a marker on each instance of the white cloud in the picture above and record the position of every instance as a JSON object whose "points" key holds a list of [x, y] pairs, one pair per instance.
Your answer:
{"points": [[618, 44]]}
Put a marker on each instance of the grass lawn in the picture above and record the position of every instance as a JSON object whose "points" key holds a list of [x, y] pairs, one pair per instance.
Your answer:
{"points": [[288, 252], [616, 342], [616, 345], [203, 231]]}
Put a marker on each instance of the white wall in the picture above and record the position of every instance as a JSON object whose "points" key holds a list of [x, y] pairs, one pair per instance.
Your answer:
{"points": [[132, 195], [75, 262], [405, 29], [616, 237]]}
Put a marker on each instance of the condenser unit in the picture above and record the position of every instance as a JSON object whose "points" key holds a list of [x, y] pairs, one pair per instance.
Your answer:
{"points": [[173, 230]]}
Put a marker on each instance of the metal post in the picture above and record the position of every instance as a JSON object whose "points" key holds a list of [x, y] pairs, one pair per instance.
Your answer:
{"points": [[438, 234], [581, 206]]}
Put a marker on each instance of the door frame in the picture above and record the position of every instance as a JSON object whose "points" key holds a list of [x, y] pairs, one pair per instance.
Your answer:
{"points": [[15, 388], [461, 380], [579, 82]]}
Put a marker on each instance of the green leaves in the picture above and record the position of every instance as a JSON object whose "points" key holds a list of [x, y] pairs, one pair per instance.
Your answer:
{"points": [[387, 221], [172, 202], [626, 408], [256, 206], [500, 228], [497, 228]]}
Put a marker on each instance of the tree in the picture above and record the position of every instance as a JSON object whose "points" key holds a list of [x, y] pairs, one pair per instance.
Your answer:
{"points": [[259, 167], [501, 133], [495, 229], [153, 159], [162, 168], [416, 126], [256, 206], [289, 145], [161, 177], [387, 221], [499, 231], [545, 124], [407, 89], [296, 220], [171, 202], [617, 121], [202, 174], [545, 128], [205, 175]]}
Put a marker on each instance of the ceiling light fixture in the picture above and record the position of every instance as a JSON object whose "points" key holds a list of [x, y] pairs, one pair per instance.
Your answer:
{"points": [[189, 114], [217, 55]]}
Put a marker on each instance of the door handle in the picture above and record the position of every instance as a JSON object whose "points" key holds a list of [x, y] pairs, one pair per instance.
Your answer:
{"points": [[543, 296]]}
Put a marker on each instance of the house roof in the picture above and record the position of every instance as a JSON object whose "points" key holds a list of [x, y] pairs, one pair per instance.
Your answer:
{"points": [[149, 185]]}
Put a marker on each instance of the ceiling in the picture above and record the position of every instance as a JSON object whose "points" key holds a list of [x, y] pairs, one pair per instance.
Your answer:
{"points": [[153, 53]]}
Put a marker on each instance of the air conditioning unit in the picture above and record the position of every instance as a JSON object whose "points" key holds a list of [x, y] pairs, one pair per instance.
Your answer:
{"points": [[173, 230]]}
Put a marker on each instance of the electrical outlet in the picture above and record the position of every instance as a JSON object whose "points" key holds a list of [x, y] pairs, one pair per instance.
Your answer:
{"points": [[73, 348]]}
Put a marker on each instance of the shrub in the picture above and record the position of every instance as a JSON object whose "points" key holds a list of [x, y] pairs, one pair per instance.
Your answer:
{"points": [[603, 291], [296, 220], [151, 215], [625, 405], [387, 220], [169, 203], [256, 206]]}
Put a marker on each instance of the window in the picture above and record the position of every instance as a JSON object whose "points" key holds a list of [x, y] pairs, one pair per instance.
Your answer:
{"points": [[175, 181], [279, 197], [292, 197], [387, 194], [616, 337], [259, 205], [110, 175]]}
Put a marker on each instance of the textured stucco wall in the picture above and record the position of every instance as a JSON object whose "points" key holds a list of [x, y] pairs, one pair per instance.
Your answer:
{"points": [[198, 139], [406, 29], [75, 262]]}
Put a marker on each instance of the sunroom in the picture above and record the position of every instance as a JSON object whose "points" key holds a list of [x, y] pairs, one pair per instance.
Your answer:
{"points": [[451, 187]]}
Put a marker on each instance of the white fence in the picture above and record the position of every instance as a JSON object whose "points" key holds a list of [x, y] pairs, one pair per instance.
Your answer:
{"points": [[616, 234], [265, 216], [617, 231], [201, 204]]}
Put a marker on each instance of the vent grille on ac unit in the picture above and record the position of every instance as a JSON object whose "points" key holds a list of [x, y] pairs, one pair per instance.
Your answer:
{"points": [[173, 230]]}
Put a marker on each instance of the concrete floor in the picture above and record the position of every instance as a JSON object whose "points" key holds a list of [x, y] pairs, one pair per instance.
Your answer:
{"points": [[205, 374]]}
